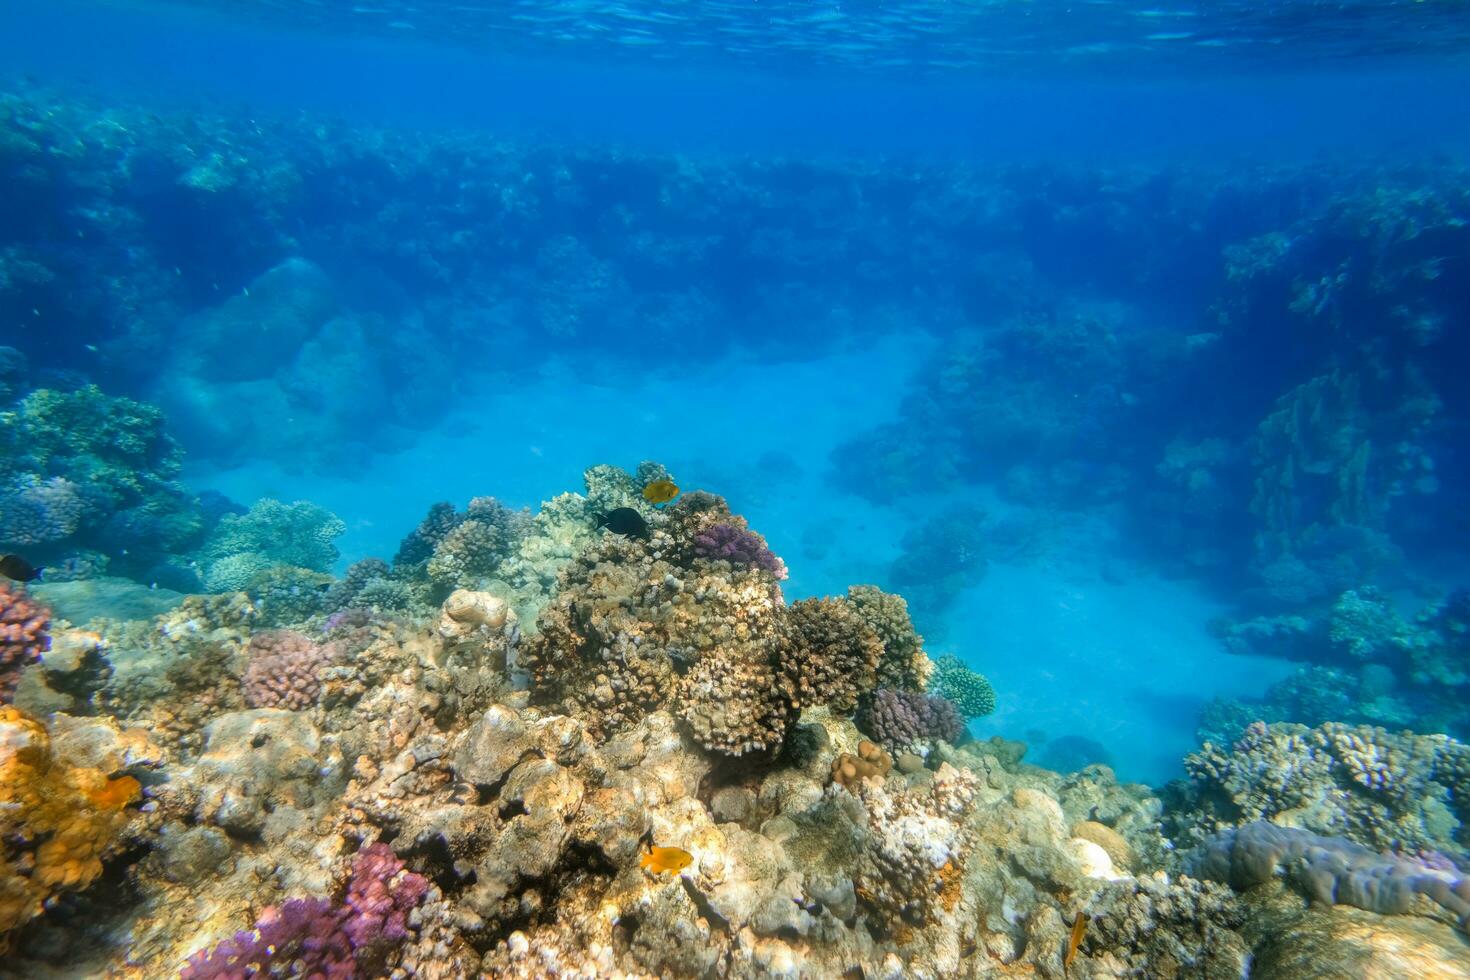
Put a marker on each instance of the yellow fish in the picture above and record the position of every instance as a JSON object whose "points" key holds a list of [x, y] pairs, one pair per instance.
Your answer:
{"points": [[660, 491], [1079, 929], [661, 859]]}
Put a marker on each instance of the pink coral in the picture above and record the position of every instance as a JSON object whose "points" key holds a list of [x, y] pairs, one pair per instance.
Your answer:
{"points": [[23, 636], [284, 670]]}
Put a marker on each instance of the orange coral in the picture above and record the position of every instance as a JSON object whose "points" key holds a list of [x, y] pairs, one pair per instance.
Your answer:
{"points": [[57, 821]]}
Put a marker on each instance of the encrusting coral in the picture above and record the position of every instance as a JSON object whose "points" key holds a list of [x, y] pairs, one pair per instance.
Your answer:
{"points": [[58, 821], [314, 937], [1331, 870]]}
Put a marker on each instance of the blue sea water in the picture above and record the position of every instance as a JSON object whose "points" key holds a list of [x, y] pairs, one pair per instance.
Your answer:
{"points": [[854, 266]]}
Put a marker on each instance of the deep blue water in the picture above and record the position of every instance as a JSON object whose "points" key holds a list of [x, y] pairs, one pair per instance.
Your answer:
{"points": [[1062, 281]]}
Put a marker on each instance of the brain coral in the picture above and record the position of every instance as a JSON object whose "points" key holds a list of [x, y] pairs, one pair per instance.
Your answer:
{"points": [[57, 821], [23, 636], [283, 671]]}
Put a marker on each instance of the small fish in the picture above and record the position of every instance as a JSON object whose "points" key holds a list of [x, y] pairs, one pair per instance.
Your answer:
{"points": [[660, 491], [625, 521], [662, 859], [17, 568], [1079, 929]]}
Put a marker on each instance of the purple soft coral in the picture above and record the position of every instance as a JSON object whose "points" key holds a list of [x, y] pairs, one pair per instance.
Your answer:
{"points": [[305, 932], [738, 546], [317, 939]]}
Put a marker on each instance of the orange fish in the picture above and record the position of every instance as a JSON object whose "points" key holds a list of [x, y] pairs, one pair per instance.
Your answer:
{"points": [[1079, 929], [662, 859], [117, 793]]}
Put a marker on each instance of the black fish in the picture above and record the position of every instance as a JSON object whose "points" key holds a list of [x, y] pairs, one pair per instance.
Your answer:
{"points": [[625, 521], [16, 567]]}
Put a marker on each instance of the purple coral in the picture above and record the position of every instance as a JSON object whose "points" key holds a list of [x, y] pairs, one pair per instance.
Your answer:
{"points": [[284, 670], [318, 939], [23, 636], [1331, 870], [380, 896], [899, 720], [304, 936], [738, 546]]}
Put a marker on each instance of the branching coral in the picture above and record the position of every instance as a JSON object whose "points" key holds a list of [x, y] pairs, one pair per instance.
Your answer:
{"points": [[970, 691], [284, 670], [23, 635], [829, 654], [739, 546], [641, 625], [35, 511], [904, 666], [57, 821], [460, 550], [901, 721], [1376, 788]]}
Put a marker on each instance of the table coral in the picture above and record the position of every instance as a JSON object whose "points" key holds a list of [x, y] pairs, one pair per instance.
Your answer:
{"points": [[57, 821], [23, 635]]}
